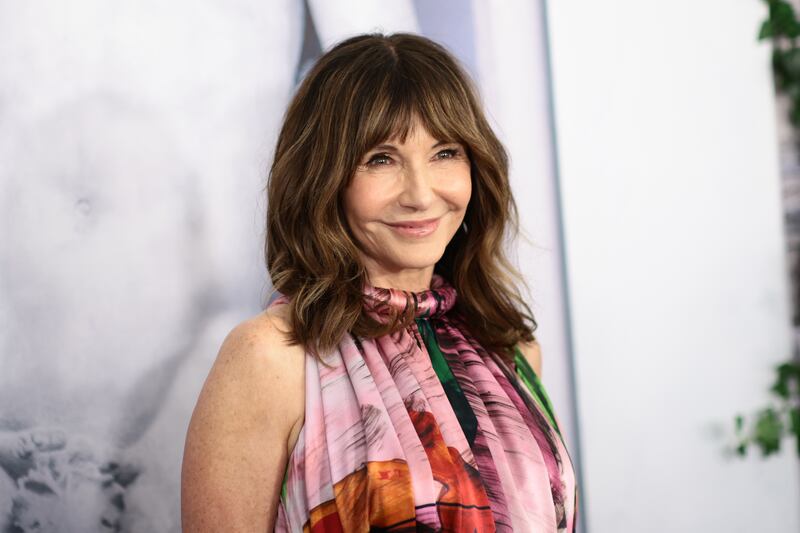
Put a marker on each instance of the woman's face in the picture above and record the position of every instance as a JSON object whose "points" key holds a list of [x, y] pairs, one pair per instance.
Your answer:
{"points": [[422, 181]]}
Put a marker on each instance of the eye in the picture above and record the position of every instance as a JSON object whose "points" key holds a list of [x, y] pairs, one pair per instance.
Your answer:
{"points": [[451, 153], [375, 160]]}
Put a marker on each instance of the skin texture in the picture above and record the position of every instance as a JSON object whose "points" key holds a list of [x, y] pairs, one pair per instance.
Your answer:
{"points": [[533, 353], [242, 432], [236, 446]]}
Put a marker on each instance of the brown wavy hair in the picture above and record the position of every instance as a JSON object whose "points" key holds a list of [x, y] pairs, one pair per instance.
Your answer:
{"points": [[362, 92]]}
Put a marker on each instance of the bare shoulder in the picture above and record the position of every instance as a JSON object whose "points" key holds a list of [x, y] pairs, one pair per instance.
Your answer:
{"points": [[258, 352], [533, 353], [257, 357], [265, 334], [235, 452]]}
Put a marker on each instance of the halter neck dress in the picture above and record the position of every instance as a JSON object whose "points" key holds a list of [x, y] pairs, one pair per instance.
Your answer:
{"points": [[425, 430]]}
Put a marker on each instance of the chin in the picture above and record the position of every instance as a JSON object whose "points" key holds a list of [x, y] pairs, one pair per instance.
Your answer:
{"points": [[422, 261]]}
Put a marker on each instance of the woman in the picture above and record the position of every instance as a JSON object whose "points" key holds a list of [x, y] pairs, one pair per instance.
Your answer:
{"points": [[390, 386]]}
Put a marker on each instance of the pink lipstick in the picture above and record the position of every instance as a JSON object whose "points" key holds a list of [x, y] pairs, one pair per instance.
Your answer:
{"points": [[416, 228]]}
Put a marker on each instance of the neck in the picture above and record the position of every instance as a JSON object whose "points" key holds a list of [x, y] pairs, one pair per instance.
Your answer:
{"points": [[415, 280]]}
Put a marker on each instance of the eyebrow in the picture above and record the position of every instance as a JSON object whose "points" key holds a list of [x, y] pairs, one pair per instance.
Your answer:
{"points": [[392, 148]]}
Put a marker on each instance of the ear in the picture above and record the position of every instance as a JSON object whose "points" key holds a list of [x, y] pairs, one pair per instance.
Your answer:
{"points": [[532, 352]]}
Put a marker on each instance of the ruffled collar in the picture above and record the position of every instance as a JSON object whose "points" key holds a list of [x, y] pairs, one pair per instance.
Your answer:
{"points": [[428, 303]]}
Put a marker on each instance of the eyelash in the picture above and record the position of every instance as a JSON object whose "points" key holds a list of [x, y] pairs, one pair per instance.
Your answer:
{"points": [[454, 152]]}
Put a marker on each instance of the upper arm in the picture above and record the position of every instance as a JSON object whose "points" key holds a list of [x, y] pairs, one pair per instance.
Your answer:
{"points": [[235, 452], [533, 354]]}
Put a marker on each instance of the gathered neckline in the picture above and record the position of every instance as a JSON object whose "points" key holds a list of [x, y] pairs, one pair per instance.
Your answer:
{"points": [[427, 303]]}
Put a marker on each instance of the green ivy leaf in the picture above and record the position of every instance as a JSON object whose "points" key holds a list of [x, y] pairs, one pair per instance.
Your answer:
{"points": [[741, 449], [780, 69], [790, 63], [768, 431], [782, 19], [781, 386], [788, 373], [794, 415], [766, 30]]}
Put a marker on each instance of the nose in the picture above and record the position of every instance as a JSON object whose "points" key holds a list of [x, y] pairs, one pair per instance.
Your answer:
{"points": [[417, 188]]}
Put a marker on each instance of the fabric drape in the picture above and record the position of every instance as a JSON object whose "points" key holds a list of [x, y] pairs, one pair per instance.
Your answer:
{"points": [[425, 430]]}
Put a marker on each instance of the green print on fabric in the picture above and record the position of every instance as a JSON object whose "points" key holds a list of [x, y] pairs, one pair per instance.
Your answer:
{"points": [[285, 478], [531, 380], [466, 417]]}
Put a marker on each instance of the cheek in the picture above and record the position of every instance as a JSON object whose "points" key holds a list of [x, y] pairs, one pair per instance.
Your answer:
{"points": [[361, 203], [461, 190], [467, 191]]}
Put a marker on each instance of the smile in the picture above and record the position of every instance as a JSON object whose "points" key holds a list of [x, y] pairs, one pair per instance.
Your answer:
{"points": [[419, 228]]}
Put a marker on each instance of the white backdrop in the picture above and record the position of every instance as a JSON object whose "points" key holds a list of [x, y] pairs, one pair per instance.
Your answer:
{"points": [[134, 142], [675, 260]]}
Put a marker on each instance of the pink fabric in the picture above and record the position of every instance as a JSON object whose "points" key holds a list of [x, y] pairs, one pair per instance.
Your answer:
{"points": [[383, 446]]}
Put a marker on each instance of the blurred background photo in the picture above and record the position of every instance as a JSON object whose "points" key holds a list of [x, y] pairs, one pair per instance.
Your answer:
{"points": [[654, 160]]}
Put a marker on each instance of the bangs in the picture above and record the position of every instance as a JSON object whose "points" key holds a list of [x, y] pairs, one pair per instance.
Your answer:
{"points": [[392, 102]]}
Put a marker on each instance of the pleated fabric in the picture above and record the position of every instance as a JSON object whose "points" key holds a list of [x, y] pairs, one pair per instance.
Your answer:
{"points": [[425, 430]]}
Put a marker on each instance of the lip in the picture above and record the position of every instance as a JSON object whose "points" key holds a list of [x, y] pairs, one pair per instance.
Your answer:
{"points": [[416, 228]]}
